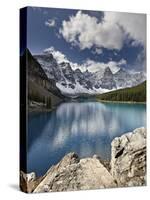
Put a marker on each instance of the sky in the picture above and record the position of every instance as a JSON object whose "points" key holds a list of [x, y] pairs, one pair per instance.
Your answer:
{"points": [[88, 39]]}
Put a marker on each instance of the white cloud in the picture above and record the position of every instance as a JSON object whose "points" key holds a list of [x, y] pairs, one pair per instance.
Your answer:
{"points": [[133, 24], [94, 66], [59, 56], [140, 62], [85, 31], [50, 23], [122, 62], [97, 51]]}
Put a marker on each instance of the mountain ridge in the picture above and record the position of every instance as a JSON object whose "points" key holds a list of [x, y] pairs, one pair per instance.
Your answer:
{"points": [[73, 82]]}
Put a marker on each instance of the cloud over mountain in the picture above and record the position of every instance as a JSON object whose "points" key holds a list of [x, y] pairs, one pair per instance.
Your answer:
{"points": [[94, 66], [111, 32], [59, 56], [89, 64]]}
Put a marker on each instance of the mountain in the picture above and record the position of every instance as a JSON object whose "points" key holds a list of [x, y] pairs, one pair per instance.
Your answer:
{"points": [[107, 81], [42, 91], [124, 79], [133, 94], [74, 82], [70, 82], [67, 74], [120, 78], [50, 66]]}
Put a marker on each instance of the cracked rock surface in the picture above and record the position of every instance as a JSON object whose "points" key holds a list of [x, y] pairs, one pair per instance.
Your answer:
{"points": [[128, 158], [74, 174]]}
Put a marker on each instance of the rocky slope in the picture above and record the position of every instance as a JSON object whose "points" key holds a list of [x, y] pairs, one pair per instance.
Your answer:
{"points": [[127, 168], [74, 82], [40, 89]]}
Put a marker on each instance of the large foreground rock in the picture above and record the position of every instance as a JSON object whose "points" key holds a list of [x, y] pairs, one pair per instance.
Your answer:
{"points": [[74, 174], [128, 158], [127, 168]]}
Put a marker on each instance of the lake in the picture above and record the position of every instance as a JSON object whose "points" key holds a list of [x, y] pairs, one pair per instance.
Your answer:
{"points": [[85, 127]]}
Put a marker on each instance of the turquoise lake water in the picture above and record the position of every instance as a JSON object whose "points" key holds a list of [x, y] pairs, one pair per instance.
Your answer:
{"points": [[86, 128]]}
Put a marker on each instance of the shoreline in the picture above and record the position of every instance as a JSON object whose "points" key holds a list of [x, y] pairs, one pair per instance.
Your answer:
{"points": [[41, 109], [38, 110], [123, 102]]}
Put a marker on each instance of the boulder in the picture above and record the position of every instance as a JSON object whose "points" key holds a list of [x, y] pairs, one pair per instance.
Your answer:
{"points": [[128, 158], [126, 168], [71, 173]]}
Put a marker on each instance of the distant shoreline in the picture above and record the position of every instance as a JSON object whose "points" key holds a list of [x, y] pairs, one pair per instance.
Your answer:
{"points": [[129, 102], [34, 110], [41, 109]]}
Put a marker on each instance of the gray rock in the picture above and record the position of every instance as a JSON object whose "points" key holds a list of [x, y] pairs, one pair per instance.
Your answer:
{"points": [[127, 168], [31, 176], [28, 177], [107, 81], [28, 182], [74, 174], [128, 158]]}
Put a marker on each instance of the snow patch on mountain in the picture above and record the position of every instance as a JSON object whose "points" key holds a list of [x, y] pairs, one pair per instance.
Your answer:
{"points": [[79, 90], [75, 82]]}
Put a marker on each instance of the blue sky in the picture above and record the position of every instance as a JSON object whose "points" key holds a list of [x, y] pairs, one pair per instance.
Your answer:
{"points": [[90, 39]]}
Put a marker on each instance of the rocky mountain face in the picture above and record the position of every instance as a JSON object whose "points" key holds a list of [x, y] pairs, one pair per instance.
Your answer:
{"points": [[40, 87], [107, 81], [120, 78], [63, 73], [125, 79], [68, 78], [76, 82], [126, 168], [50, 66]]}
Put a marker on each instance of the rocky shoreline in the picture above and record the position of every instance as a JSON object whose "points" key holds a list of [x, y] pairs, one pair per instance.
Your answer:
{"points": [[126, 168]]}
